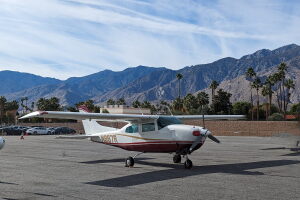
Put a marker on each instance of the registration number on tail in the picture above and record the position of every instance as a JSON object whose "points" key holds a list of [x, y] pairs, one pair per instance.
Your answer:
{"points": [[109, 138]]}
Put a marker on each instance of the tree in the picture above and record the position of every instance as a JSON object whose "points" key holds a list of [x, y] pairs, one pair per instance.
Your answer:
{"points": [[282, 69], [26, 106], [289, 84], [51, 104], [241, 108], [222, 102], [213, 86], [257, 85], [136, 104], [121, 101], [267, 91], [203, 100], [250, 74], [2, 106], [12, 105], [179, 77], [32, 106], [110, 102], [177, 105], [295, 109], [190, 103]]}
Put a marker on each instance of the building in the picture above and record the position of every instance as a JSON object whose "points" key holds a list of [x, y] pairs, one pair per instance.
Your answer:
{"points": [[123, 109]]}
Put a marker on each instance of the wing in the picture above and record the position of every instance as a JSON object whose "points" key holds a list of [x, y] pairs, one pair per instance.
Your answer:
{"points": [[83, 116], [212, 117]]}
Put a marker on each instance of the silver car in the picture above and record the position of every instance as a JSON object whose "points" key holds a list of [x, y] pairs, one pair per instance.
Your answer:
{"points": [[38, 131]]}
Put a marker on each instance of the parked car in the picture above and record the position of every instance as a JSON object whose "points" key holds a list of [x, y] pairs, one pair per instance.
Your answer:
{"points": [[38, 131], [13, 130], [64, 130]]}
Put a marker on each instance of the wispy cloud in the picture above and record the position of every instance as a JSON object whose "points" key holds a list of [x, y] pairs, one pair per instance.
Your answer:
{"points": [[63, 38]]}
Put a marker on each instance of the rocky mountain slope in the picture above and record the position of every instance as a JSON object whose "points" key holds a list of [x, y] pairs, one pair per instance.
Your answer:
{"points": [[153, 84]]}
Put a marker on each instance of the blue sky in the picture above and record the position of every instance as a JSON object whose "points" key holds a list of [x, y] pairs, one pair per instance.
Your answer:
{"points": [[65, 38]]}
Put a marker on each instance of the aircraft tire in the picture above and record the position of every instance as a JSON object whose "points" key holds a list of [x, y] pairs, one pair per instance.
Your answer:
{"points": [[188, 164], [177, 158], [129, 162]]}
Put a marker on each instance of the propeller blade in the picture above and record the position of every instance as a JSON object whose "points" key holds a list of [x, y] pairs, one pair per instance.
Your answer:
{"points": [[213, 138]]}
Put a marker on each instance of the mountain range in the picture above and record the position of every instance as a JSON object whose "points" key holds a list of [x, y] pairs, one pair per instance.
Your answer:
{"points": [[152, 83]]}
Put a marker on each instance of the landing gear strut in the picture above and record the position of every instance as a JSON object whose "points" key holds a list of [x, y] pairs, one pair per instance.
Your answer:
{"points": [[177, 158]]}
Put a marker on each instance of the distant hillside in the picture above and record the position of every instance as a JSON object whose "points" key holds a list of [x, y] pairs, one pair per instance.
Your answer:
{"points": [[12, 81], [153, 84], [198, 77], [78, 89]]}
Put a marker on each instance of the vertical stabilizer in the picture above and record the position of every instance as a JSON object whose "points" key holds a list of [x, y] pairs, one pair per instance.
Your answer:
{"points": [[91, 126]]}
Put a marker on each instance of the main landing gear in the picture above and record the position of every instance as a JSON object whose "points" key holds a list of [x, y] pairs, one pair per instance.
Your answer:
{"points": [[129, 162], [188, 164]]}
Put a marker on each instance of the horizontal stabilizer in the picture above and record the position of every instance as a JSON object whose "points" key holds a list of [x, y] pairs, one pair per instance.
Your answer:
{"points": [[79, 137]]}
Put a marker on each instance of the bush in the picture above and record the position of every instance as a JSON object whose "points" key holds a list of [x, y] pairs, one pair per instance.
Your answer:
{"points": [[276, 117]]}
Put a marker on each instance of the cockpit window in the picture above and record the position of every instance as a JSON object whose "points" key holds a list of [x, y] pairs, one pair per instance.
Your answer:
{"points": [[134, 128], [165, 121], [148, 127]]}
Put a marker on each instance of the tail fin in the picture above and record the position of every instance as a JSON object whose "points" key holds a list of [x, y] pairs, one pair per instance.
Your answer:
{"points": [[91, 126]]}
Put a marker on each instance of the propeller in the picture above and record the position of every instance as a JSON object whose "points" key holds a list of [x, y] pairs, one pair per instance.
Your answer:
{"points": [[213, 138], [201, 133]]}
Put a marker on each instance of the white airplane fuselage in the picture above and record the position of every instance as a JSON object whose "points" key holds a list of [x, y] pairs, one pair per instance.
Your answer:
{"points": [[172, 138]]}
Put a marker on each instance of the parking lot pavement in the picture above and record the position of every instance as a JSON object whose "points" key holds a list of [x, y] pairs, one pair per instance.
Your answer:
{"points": [[42, 167]]}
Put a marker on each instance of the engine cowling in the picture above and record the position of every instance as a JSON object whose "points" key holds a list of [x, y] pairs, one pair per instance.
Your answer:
{"points": [[2, 142]]}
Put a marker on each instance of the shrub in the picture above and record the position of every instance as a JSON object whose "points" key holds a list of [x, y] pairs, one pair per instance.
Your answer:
{"points": [[276, 117]]}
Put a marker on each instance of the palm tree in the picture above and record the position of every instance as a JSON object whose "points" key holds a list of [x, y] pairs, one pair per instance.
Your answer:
{"points": [[267, 91], [32, 106], [202, 99], [179, 77], [110, 102], [282, 69], [213, 86], [257, 84], [26, 107], [250, 74], [190, 103], [2, 106], [289, 84]]}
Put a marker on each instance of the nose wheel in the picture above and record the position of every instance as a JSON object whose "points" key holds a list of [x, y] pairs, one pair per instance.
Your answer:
{"points": [[188, 164]]}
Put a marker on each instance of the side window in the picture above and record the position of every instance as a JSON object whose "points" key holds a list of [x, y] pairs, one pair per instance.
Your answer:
{"points": [[148, 127], [134, 128]]}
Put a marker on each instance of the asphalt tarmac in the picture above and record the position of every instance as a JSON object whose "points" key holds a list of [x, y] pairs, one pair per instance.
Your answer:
{"points": [[42, 167]]}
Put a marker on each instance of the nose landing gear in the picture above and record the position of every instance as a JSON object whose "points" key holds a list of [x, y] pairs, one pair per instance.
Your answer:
{"points": [[188, 164]]}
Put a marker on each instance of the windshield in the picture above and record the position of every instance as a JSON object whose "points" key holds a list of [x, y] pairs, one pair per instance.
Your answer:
{"points": [[165, 121]]}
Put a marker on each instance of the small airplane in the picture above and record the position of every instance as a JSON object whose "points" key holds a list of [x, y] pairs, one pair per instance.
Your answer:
{"points": [[142, 133]]}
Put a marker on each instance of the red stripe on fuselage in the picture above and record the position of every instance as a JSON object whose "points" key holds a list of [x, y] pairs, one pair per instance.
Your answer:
{"points": [[158, 147]]}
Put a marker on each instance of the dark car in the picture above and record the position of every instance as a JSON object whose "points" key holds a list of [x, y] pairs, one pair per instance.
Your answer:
{"points": [[64, 130], [14, 130]]}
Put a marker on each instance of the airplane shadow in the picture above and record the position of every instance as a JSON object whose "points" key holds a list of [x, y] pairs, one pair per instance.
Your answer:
{"points": [[112, 160], [292, 154], [177, 171], [296, 150], [7, 183]]}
